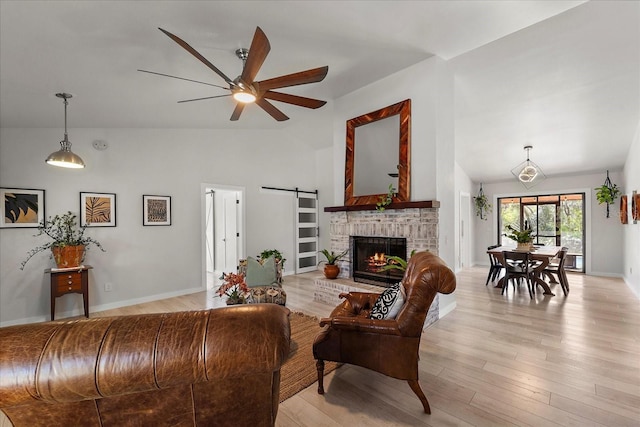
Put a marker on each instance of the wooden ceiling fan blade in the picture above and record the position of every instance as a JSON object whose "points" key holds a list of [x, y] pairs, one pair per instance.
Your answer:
{"points": [[300, 101], [182, 78], [237, 111], [258, 52], [195, 53], [300, 78], [272, 110], [201, 99]]}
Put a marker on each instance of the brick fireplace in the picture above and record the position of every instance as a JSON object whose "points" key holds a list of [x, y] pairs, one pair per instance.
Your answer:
{"points": [[417, 222]]}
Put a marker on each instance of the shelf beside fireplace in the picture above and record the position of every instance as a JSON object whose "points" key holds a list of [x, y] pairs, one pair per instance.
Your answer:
{"points": [[396, 205]]}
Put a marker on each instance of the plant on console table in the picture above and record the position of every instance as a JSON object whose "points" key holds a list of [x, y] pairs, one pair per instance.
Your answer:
{"points": [[234, 287], [524, 238], [68, 241], [331, 269]]}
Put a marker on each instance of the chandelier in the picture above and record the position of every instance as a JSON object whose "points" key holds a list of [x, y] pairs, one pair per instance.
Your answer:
{"points": [[527, 172]]}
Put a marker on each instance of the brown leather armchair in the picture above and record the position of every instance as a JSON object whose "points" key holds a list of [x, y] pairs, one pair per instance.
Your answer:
{"points": [[388, 346], [213, 367]]}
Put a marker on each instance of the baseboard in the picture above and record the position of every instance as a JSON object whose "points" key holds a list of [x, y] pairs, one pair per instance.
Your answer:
{"points": [[601, 274], [446, 310], [102, 307]]}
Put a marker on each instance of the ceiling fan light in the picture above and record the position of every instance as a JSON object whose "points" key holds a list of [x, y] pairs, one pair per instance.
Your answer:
{"points": [[244, 97]]}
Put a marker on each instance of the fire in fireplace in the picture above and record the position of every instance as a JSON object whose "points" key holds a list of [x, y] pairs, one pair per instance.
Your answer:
{"points": [[369, 255]]}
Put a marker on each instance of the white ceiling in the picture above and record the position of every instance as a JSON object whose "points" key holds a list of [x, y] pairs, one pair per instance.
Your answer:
{"points": [[563, 76]]}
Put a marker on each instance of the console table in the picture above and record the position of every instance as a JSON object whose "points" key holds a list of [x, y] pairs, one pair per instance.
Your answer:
{"points": [[73, 280]]}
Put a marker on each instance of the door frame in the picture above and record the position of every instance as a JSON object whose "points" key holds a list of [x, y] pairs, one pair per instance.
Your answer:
{"points": [[242, 241], [462, 237]]}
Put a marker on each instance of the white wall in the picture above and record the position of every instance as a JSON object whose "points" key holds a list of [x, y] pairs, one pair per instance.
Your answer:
{"points": [[603, 235], [429, 85], [631, 232], [145, 263]]}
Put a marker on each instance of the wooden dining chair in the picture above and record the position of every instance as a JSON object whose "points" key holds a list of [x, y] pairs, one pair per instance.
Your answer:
{"points": [[519, 266], [495, 267], [558, 269]]}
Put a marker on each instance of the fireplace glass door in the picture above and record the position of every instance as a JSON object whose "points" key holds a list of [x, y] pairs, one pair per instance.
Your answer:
{"points": [[369, 256]]}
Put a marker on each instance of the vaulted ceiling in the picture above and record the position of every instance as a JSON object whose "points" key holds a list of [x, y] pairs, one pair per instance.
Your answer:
{"points": [[563, 76]]}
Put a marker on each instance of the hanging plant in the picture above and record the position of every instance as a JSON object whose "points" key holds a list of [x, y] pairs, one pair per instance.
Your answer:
{"points": [[607, 193], [481, 204]]}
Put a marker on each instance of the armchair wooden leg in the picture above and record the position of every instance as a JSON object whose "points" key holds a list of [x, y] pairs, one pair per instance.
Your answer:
{"points": [[320, 369], [415, 386]]}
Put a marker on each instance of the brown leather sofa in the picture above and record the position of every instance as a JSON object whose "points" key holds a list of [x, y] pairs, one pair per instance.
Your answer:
{"points": [[388, 346], [216, 367]]}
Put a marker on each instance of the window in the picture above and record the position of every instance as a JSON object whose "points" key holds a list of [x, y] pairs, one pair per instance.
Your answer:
{"points": [[556, 220]]}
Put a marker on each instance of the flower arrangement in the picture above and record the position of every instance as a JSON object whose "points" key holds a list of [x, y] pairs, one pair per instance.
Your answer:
{"points": [[234, 287], [63, 231]]}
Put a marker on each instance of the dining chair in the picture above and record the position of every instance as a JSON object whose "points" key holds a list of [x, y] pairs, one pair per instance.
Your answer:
{"points": [[518, 266], [495, 267], [558, 269]]}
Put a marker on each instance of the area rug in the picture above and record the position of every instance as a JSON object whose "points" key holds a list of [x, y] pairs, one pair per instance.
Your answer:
{"points": [[299, 371]]}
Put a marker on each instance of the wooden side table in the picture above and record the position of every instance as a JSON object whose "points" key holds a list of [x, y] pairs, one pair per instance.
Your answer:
{"points": [[67, 281]]}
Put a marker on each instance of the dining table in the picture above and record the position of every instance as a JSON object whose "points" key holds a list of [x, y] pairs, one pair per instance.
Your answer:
{"points": [[544, 254]]}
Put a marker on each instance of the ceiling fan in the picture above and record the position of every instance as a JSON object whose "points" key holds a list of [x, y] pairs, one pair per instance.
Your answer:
{"points": [[244, 89]]}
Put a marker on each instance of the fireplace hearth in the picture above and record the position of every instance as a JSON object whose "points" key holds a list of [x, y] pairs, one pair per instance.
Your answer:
{"points": [[369, 255]]}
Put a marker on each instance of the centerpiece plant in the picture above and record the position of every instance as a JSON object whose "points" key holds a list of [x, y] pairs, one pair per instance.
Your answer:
{"points": [[68, 241], [523, 238]]}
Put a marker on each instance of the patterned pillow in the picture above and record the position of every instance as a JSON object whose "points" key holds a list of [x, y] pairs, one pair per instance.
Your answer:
{"points": [[389, 303]]}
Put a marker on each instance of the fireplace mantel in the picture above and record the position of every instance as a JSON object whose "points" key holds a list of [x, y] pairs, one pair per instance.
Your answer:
{"points": [[395, 205]]}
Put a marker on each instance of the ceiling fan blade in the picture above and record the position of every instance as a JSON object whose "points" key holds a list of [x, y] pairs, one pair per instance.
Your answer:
{"points": [[258, 51], [195, 53], [300, 101], [182, 78], [237, 111], [273, 111], [300, 78], [206, 97]]}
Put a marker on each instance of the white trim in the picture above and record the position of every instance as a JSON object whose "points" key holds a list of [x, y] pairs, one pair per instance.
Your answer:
{"points": [[102, 307], [447, 309]]}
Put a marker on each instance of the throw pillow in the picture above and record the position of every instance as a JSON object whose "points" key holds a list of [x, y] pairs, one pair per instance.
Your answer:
{"points": [[389, 303], [260, 274]]}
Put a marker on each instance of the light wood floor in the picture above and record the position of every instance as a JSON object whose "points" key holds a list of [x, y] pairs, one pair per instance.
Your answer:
{"points": [[494, 361]]}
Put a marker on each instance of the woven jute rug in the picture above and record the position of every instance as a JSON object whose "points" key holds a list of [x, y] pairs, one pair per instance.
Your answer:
{"points": [[299, 371]]}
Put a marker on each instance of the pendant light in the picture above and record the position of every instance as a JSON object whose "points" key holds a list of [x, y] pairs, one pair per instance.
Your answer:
{"points": [[65, 157], [527, 172]]}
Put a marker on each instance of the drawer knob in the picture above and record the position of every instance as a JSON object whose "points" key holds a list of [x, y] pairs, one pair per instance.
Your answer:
{"points": [[70, 282], [70, 276], [69, 287]]}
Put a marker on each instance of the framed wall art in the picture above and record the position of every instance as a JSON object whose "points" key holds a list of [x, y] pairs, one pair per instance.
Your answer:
{"points": [[21, 207], [635, 206], [156, 210], [624, 218], [98, 209]]}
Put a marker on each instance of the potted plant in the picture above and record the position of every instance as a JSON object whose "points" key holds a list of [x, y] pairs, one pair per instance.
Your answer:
{"points": [[68, 242], [523, 238], [396, 263], [234, 287], [331, 269], [275, 253]]}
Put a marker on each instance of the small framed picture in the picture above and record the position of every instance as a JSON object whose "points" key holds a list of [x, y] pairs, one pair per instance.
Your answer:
{"points": [[98, 209], [156, 210], [21, 207]]}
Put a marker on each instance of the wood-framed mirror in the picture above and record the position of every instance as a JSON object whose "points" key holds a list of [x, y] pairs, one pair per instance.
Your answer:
{"points": [[378, 154]]}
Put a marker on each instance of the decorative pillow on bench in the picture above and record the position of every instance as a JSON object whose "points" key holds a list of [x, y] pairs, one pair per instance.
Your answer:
{"points": [[389, 303], [261, 274]]}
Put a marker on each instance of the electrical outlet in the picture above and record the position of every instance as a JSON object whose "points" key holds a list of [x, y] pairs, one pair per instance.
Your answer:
{"points": [[108, 287]]}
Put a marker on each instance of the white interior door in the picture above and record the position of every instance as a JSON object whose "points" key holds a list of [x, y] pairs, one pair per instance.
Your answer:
{"points": [[230, 235], [465, 231], [306, 232]]}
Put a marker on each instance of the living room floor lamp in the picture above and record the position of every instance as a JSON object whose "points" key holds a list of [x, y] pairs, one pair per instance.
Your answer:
{"points": [[65, 157], [527, 172]]}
